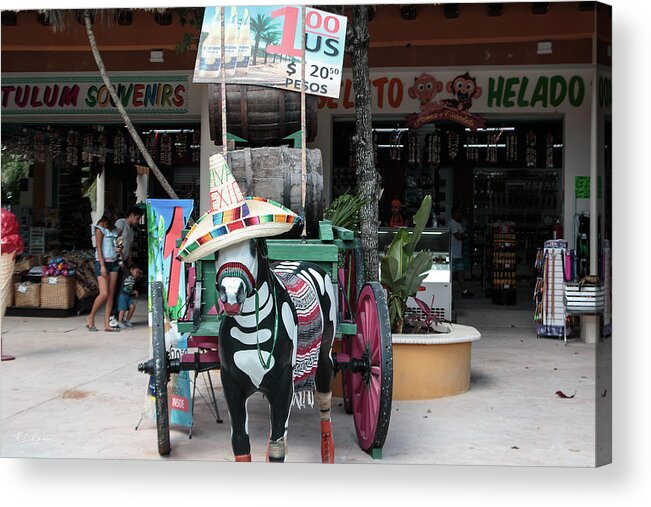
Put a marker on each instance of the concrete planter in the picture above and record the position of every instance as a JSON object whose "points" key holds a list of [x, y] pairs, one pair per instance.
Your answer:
{"points": [[427, 366]]}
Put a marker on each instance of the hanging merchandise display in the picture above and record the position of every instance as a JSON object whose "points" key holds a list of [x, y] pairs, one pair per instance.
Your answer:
{"points": [[166, 150], [72, 154], [491, 151], [549, 150], [196, 146], [395, 142], [181, 144], [433, 153], [150, 145], [551, 262], [511, 147], [531, 149], [87, 146], [412, 148], [103, 147], [55, 146], [134, 152], [453, 144], [472, 153], [39, 146], [119, 148]]}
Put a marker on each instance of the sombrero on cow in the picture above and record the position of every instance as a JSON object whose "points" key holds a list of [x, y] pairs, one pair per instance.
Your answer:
{"points": [[232, 218]]}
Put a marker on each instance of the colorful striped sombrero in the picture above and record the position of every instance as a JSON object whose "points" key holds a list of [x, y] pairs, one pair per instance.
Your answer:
{"points": [[232, 218]]}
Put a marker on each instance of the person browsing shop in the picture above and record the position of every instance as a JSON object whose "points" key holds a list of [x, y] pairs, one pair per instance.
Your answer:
{"points": [[125, 228], [458, 237], [106, 270]]}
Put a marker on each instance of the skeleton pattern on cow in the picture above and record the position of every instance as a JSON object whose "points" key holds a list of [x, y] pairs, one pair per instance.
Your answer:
{"points": [[281, 336]]}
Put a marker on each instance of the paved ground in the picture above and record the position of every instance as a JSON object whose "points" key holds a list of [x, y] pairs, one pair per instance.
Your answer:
{"points": [[75, 394]]}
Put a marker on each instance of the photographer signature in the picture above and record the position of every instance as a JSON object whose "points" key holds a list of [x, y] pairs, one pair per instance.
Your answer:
{"points": [[23, 437]]}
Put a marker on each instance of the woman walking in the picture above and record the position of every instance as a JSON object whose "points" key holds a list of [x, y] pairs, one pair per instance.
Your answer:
{"points": [[106, 269]]}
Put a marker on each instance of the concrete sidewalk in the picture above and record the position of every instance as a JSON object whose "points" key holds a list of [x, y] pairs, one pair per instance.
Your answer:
{"points": [[71, 393]]}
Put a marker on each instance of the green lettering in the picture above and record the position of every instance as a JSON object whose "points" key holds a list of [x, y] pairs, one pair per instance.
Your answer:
{"points": [[540, 92], [521, 94], [126, 94], [495, 93], [557, 90], [91, 96], [509, 92], [167, 93], [577, 91]]}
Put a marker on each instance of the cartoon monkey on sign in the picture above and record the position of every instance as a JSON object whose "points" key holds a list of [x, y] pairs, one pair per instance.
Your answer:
{"points": [[464, 88], [425, 89]]}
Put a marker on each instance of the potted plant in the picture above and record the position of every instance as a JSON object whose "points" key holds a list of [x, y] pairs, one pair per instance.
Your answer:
{"points": [[401, 271]]}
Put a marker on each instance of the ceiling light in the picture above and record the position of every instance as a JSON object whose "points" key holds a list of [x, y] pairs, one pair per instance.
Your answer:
{"points": [[156, 56], [544, 47]]}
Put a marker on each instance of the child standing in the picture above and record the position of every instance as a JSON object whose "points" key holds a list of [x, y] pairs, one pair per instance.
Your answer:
{"points": [[126, 304]]}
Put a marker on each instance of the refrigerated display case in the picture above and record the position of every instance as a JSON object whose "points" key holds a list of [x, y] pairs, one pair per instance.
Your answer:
{"points": [[438, 282]]}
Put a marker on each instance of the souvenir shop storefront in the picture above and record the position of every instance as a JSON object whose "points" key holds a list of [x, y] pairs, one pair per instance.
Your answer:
{"points": [[80, 162], [510, 145]]}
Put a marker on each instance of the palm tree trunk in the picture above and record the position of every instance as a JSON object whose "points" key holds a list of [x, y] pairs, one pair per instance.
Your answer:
{"points": [[118, 103], [255, 50], [367, 181]]}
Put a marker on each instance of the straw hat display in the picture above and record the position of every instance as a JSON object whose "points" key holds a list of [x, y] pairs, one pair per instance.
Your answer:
{"points": [[232, 218]]}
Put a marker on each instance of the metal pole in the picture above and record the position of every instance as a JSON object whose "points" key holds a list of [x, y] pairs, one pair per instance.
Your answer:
{"points": [[303, 124], [594, 118], [223, 79]]}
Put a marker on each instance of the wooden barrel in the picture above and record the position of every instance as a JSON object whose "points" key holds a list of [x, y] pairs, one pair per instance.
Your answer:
{"points": [[275, 173], [260, 114]]}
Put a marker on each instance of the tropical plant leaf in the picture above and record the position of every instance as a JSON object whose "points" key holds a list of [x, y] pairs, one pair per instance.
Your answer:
{"points": [[396, 309], [397, 250], [427, 310], [420, 222], [416, 273], [389, 272]]}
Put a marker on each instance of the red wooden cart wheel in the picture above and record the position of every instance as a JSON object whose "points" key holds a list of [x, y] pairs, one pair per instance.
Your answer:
{"points": [[351, 281], [372, 387]]}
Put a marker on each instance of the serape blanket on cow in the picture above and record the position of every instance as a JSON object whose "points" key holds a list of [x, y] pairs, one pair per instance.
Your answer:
{"points": [[310, 333]]}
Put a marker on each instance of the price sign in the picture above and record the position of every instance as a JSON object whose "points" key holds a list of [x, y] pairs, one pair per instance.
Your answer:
{"points": [[262, 45]]}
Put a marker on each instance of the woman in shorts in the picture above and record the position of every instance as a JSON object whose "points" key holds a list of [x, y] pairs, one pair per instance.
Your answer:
{"points": [[107, 267]]}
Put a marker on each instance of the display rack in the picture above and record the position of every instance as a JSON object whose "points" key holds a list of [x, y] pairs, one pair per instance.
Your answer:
{"points": [[503, 266], [549, 292], [530, 198]]}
